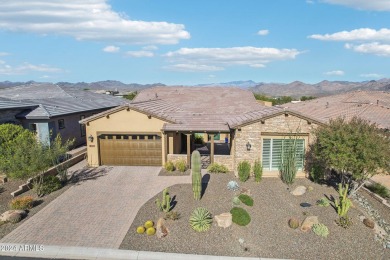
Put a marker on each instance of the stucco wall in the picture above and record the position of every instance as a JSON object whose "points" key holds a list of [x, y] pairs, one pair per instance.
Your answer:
{"points": [[120, 122], [8, 116], [273, 127]]}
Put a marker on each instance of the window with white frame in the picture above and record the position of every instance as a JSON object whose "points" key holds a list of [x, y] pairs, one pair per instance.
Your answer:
{"points": [[274, 149]]}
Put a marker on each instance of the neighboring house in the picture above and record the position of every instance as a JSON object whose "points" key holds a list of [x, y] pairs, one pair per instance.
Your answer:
{"points": [[373, 106], [48, 109], [160, 125]]}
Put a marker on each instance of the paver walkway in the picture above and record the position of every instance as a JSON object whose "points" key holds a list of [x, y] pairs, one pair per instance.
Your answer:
{"points": [[97, 211]]}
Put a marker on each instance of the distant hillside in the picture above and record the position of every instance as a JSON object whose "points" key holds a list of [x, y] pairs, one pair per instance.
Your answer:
{"points": [[323, 88], [240, 84], [295, 89]]}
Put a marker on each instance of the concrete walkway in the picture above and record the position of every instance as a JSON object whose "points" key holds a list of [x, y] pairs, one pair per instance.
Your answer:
{"points": [[382, 179], [97, 211], [57, 252]]}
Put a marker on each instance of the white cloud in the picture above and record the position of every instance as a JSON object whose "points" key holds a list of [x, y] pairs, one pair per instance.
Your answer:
{"points": [[85, 20], [25, 68], [362, 34], [140, 54], [4, 54], [309, 2], [370, 48], [218, 58], [111, 49], [193, 68], [371, 75], [376, 5], [263, 32], [335, 73], [150, 48]]}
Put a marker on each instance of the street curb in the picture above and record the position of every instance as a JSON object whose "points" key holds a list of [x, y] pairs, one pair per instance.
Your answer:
{"points": [[92, 253]]}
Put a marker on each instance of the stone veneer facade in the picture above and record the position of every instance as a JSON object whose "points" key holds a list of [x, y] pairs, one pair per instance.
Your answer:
{"points": [[279, 126]]}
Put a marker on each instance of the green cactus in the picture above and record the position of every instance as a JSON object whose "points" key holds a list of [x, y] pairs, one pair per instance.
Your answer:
{"points": [[196, 175], [320, 230], [165, 204], [344, 204]]}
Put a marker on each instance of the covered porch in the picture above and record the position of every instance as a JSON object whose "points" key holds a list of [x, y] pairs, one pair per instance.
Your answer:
{"points": [[214, 147]]}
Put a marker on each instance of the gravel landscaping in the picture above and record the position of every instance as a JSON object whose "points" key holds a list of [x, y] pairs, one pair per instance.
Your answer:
{"points": [[164, 172], [268, 234], [5, 199]]}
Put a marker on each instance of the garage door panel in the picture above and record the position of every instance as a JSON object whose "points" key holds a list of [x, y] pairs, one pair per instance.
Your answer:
{"points": [[121, 151]]}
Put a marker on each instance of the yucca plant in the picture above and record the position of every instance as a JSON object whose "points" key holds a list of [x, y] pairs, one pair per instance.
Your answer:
{"points": [[201, 220]]}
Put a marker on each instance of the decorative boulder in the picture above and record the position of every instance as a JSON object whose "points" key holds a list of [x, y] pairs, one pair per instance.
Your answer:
{"points": [[161, 229], [10, 215], [224, 220], [298, 191], [369, 223], [3, 178], [309, 222], [246, 191]]}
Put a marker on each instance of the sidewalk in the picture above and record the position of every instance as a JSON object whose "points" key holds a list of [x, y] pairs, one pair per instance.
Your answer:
{"points": [[382, 179], [90, 253]]}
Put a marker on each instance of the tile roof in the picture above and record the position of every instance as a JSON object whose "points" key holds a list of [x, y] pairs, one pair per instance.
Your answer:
{"points": [[51, 100], [370, 105], [6, 103]]}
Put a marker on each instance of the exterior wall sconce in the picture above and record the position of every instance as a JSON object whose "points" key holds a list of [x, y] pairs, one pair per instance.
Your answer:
{"points": [[248, 146], [90, 138]]}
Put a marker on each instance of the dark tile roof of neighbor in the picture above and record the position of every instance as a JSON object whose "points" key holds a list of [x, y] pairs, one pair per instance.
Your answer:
{"points": [[6, 103], [51, 100], [370, 105]]}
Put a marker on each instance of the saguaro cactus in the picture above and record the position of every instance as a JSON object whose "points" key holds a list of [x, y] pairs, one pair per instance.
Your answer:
{"points": [[165, 203], [196, 174], [344, 203]]}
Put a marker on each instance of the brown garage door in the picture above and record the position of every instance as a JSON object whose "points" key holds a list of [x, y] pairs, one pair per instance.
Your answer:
{"points": [[142, 150]]}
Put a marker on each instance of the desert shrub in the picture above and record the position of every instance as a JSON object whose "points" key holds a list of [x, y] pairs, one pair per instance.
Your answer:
{"points": [[169, 166], [317, 172], [50, 184], [320, 230], [379, 189], [201, 220], [258, 170], [244, 170], [247, 200], [15, 218], [236, 201], [344, 222], [25, 202], [181, 165], [217, 168], [240, 216], [233, 186], [293, 223], [323, 202], [198, 139], [172, 215]]}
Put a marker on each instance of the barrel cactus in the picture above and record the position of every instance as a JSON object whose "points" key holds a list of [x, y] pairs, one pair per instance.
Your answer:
{"points": [[151, 231], [148, 224], [196, 175], [140, 230], [293, 223]]}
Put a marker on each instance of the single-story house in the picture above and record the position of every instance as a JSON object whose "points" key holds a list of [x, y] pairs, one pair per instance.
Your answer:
{"points": [[161, 123], [48, 109]]}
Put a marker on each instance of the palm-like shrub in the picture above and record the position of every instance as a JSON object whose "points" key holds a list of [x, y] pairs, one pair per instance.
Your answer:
{"points": [[201, 220], [257, 170], [244, 170]]}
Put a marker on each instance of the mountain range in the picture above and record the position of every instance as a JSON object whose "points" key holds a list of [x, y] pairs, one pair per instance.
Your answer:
{"points": [[294, 89]]}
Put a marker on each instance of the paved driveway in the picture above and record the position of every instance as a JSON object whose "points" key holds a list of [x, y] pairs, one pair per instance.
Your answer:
{"points": [[97, 211]]}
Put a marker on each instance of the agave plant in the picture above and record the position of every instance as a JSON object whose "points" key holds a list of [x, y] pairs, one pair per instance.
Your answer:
{"points": [[233, 186], [201, 220]]}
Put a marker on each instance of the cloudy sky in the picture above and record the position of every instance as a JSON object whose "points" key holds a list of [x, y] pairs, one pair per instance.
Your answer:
{"points": [[191, 42]]}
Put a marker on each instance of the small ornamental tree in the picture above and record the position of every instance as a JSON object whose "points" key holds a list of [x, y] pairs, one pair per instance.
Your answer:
{"points": [[22, 156], [356, 149]]}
